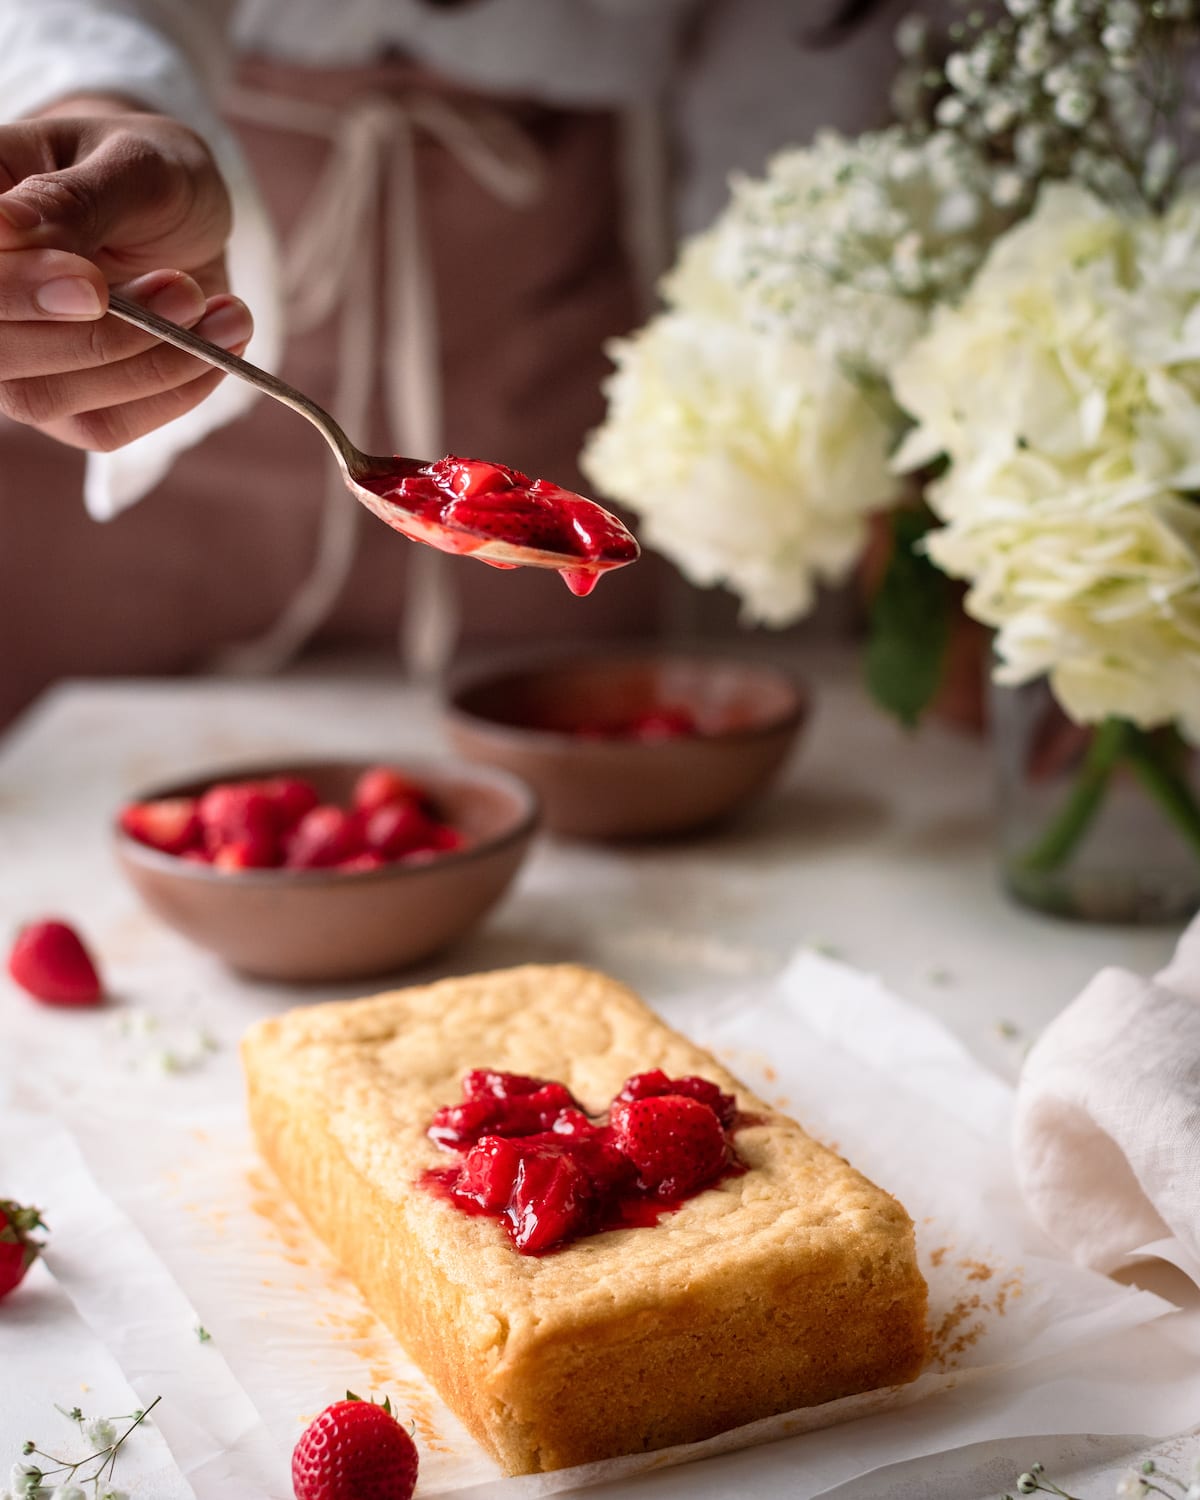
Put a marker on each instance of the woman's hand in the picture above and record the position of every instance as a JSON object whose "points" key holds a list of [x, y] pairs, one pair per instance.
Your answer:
{"points": [[94, 193]]}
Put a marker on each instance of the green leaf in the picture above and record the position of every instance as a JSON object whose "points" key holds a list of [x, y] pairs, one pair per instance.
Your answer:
{"points": [[909, 623]]}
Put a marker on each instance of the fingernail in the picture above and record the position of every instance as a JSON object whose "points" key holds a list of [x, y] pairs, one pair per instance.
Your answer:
{"points": [[227, 326], [180, 301], [69, 297], [20, 215]]}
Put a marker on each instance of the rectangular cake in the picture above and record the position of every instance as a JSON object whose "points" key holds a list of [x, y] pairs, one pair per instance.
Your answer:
{"points": [[786, 1286]]}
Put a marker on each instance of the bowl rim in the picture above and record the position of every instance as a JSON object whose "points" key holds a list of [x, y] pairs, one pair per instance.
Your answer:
{"points": [[469, 679], [524, 828]]}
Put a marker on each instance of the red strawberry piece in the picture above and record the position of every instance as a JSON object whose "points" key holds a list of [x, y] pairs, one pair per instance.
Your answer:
{"points": [[50, 961], [498, 1085], [664, 724], [489, 1172], [255, 852], [291, 797], [382, 785], [551, 1200], [170, 824], [367, 860], [18, 1248], [325, 836], [676, 1143], [354, 1451], [474, 476], [649, 1085], [518, 517], [398, 828], [233, 812]]}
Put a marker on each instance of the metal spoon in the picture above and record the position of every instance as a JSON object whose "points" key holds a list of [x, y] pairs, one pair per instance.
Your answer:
{"points": [[365, 474]]}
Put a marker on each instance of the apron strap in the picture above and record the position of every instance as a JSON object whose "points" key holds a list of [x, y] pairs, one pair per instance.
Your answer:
{"points": [[333, 265]]}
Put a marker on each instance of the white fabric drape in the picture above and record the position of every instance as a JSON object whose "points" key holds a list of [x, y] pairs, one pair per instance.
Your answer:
{"points": [[1108, 1118]]}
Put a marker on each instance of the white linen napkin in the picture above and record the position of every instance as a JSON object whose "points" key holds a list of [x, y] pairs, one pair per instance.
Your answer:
{"points": [[1107, 1127]]}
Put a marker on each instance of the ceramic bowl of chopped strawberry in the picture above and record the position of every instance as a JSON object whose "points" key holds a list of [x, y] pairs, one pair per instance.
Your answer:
{"points": [[632, 743], [328, 869]]}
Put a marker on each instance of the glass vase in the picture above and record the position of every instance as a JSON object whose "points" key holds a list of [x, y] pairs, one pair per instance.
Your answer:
{"points": [[1097, 822]]}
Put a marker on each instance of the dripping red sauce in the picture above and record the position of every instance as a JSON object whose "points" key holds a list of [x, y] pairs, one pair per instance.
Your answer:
{"points": [[462, 504], [532, 1159]]}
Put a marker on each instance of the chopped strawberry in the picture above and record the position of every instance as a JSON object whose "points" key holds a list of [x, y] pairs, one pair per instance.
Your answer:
{"points": [[550, 1200], [649, 1085], [354, 1451], [50, 961], [489, 1172], [291, 797], [233, 812], [676, 1143], [398, 828], [367, 860], [255, 852], [18, 1249], [382, 785], [171, 824], [325, 836]]}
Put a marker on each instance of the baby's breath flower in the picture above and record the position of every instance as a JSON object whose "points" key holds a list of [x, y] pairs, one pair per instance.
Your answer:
{"points": [[1026, 1484], [100, 1432], [912, 34], [1008, 189], [69, 1491], [24, 1480], [1131, 1486], [1075, 107], [950, 111]]}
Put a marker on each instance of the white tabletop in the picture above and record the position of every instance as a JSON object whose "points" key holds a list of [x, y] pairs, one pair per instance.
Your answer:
{"points": [[875, 846]]}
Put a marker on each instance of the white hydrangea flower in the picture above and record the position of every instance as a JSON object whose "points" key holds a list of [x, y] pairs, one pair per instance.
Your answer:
{"points": [[750, 458], [1065, 390]]}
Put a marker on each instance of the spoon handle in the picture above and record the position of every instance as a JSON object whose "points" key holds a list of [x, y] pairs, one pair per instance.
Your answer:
{"points": [[352, 462]]}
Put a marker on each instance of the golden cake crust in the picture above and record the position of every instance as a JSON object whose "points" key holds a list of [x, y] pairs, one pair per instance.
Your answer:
{"points": [[788, 1286]]}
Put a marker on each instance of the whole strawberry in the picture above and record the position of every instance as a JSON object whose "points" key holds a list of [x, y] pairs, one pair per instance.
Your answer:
{"points": [[18, 1250], [50, 962], [354, 1450], [676, 1143]]}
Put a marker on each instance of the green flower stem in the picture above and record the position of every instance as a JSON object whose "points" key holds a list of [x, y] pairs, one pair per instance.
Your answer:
{"points": [[1060, 840], [1151, 760]]}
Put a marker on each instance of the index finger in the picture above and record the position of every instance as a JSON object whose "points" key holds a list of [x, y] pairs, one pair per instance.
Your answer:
{"points": [[34, 348]]}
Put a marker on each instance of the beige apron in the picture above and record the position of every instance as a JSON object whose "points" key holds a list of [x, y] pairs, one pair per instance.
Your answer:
{"points": [[454, 268]]}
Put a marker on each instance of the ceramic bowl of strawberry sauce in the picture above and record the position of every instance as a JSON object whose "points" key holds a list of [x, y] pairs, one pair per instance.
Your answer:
{"points": [[326, 870], [633, 744]]}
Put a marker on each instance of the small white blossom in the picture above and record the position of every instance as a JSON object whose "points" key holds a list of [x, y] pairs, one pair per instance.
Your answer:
{"points": [[100, 1432], [24, 1479], [1067, 17], [1075, 107], [999, 115], [1021, 8], [1034, 49], [950, 111], [111, 1494], [1193, 1492], [1131, 1486], [912, 34], [1008, 189], [69, 1491]]}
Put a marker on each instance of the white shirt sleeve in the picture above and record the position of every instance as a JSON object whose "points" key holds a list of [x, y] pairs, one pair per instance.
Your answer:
{"points": [[169, 55]]}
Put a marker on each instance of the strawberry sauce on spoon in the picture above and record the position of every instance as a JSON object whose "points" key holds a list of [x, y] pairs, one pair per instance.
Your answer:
{"points": [[471, 506]]}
